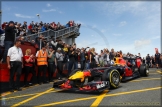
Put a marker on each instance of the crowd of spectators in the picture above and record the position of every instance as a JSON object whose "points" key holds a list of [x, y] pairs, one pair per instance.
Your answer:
{"points": [[25, 29]]}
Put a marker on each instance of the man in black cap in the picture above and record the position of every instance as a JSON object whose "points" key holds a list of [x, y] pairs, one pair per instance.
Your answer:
{"points": [[9, 38]]}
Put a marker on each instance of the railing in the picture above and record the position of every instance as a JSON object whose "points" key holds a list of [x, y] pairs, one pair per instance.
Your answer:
{"points": [[60, 33]]}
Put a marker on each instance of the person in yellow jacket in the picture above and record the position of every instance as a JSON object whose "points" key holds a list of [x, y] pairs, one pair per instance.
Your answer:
{"points": [[42, 64]]}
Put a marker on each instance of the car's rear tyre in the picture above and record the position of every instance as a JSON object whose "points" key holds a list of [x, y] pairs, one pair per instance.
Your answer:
{"points": [[73, 72], [144, 70], [113, 76]]}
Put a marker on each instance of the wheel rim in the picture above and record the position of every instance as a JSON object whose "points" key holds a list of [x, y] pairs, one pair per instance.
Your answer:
{"points": [[115, 78]]}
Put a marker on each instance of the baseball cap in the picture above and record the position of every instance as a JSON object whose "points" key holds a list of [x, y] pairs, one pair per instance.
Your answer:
{"points": [[59, 49]]}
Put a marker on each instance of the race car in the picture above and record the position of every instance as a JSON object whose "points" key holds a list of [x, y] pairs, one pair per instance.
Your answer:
{"points": [[87, 81], [101, 78]]}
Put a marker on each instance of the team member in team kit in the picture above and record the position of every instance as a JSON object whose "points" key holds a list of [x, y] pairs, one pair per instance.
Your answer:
{"points": [[157, 59], [42, 64], [14, 61]]}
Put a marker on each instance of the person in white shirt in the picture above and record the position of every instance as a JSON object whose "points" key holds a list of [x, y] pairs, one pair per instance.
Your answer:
{"points": [[14, 61], [59, 57]]}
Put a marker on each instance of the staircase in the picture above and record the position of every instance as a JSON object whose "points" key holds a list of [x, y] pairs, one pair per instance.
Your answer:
{"points": [[68, 35]]}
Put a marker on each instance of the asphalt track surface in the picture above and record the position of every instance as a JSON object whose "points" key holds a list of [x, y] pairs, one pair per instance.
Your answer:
{"points": [[144, 91]]}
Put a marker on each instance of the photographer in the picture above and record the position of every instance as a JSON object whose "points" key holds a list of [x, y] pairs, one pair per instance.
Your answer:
{"points": [[9, 38], [72, 60], [52, 63], [82, 58], [39, 40], [60, 57]]}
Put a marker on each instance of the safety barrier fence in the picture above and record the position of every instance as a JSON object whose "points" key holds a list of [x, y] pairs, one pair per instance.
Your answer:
{"points": [[47, 34]]}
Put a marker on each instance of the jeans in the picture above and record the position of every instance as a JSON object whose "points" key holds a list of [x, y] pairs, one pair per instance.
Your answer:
{"points": [[82, 65], [87, 65], [76, 65], [7, 45], [71, 64]]}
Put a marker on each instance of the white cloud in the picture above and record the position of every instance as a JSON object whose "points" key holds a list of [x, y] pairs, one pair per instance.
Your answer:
{"points": [[50, 10], [48, 5], [23, 16], [133, 7], [123, 23], [141, 43], [117, 34]]}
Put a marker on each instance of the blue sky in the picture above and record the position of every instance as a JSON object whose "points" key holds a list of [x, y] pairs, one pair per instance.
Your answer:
{"points": [[128, 26]]}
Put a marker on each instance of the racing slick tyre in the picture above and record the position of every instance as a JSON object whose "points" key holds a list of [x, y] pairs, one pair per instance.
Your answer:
{"points": [[113, 76], [73, 72], [144, 70]]}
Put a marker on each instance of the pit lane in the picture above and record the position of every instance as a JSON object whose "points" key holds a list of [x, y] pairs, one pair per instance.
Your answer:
{"points": [[141, 91]]}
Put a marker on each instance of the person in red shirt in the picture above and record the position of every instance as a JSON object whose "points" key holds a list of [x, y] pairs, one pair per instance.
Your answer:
{"points": [[28, 66], [71, 23], [3, 25], [30, 28]]}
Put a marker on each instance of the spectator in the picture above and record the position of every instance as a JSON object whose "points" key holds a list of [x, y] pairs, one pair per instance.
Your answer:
{"points": [[52, 63], [9, 38], [4, 25], [67, 25], [43, 28], [70, 23], [101, 60], [30, 28], [106, 57], [152, 61], [143, 60], [92, 58], [2, 38], [161, 60], [42, 64], [112, 55], [60, 57], [120, 54], [88, 59], [148, 60], [82, 58], [72, 59], [29, 60], [24, 26], [39, 42], [157, 59], [14, 61]]}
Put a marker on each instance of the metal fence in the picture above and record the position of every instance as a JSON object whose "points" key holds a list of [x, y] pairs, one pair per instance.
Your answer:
{"points": [[55, 34]]}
